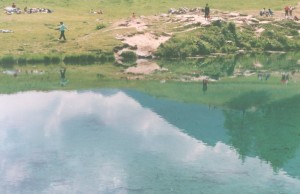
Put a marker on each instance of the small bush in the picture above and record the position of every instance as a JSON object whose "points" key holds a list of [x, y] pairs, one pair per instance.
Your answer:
{"points": [[8, 61], [35, 60], [47, 60], [203, 48], [55, 60], [128, 56], [100, 26], [83, 59], [22, 61], [231, 27]]}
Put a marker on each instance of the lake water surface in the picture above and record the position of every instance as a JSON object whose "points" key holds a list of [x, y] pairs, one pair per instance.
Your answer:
{"points": [[124, 141]]}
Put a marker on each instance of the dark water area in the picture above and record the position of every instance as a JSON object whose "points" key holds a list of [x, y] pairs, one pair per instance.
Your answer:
{"points": [[125, 141]]}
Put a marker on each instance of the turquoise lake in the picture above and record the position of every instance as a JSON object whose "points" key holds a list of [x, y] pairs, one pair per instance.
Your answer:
{"points": [[124, 141]]}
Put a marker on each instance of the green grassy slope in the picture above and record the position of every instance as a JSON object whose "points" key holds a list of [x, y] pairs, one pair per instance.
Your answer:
{"points": [[35, 33]]}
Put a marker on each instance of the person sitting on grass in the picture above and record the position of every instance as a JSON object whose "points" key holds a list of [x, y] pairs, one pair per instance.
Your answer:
{"points": [[263, 12]]}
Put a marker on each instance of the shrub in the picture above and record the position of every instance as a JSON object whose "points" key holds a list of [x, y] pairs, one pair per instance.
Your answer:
{"points": [[203, 47], [47, 60], [128, 56], [100, 26], [55, 60], [83, 59], [8, 61], [22, 61], [35, 60], [231, 27]]}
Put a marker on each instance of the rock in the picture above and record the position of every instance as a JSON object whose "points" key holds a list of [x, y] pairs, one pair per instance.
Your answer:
{"points": [[164, 15], [232, 14], [254, 20], [265, 22], [172, 11], [241, 51]]}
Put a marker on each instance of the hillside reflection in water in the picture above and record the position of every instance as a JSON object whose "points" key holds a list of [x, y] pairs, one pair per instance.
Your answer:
{"points": [[123, 141]]}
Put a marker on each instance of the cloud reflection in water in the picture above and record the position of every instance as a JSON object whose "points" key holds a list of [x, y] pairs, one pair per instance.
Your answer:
{"points": [[90, 142]]}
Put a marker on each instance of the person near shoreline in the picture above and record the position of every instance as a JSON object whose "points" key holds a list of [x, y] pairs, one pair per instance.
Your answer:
{"points": [[62, 29], [206, 12]]}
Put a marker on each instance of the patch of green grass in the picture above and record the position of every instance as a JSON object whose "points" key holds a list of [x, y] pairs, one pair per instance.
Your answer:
{"points": [[36, 33]]}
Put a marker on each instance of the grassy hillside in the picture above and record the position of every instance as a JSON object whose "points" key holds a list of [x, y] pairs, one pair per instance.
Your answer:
{"points": [[36, 34]]}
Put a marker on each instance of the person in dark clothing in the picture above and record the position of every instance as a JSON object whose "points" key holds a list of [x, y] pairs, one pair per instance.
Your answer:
{"points": [[206, 12]]}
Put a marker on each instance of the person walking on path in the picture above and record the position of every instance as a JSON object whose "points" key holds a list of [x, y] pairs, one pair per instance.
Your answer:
{"points": [[206, 12], [62, 29]]}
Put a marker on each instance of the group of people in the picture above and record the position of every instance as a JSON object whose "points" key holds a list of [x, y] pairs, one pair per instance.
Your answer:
{"points": [[96, 11], [37, 10], [285, 78], [288, 11], [264, 76], [265, 12], [14, 9]]}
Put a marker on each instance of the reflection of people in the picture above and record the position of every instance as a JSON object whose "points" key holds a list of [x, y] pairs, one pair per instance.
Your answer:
{"points": [[284, 78], [63, 73], [259, 75], [63, 80], [204, 85], [267, 75], [206, 12], [62, 29]]}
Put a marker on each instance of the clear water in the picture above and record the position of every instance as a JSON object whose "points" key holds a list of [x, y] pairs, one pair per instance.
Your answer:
{"points": [[119, 141]]}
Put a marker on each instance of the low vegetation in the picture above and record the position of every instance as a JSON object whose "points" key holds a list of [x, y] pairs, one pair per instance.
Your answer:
{"points": [[88, 32], [228, 38]]}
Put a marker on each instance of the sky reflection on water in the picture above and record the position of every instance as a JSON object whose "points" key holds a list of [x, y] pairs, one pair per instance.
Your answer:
{"points": [[108, 142]]}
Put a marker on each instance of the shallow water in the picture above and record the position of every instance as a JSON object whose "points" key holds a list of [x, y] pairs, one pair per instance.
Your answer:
{"points": [[124, 141]]}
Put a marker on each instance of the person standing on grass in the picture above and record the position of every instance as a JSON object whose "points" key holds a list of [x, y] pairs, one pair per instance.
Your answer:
{"points": [[206, 12], [62, 29]]}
